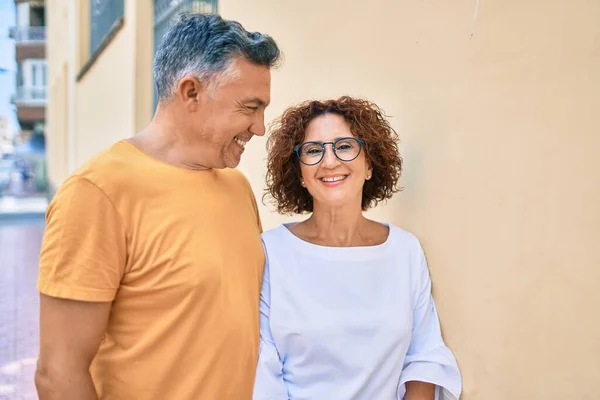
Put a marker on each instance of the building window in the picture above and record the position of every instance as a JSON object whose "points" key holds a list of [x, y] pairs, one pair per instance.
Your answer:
{"points": [[37, 15], [31, 83], [166, 10], [23, 14], [34, 74], [20, 79], [105, 17]]}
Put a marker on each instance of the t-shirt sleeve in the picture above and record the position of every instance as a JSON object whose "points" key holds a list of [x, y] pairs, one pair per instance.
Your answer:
{"points": [[83, 251], [252, 198], [258, 220]]}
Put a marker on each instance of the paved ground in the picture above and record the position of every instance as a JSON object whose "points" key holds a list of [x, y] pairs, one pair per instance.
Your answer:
{"points": [[12, 205], [20, 239]]}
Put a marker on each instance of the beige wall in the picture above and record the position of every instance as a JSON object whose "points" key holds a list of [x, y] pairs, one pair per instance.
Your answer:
{"points": [[498, 113], [57, 79], [496, 103], [113, 101]]}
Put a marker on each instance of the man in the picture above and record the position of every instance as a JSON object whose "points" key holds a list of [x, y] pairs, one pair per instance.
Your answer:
{"points": [[151, 264]]}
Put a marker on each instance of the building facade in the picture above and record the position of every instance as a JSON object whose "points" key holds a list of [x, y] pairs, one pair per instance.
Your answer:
{"points": [[497, 107], [30, 40]]}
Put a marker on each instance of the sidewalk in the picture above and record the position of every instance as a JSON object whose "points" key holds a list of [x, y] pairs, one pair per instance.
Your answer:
{"points": [[19, 308], [22, 209]]}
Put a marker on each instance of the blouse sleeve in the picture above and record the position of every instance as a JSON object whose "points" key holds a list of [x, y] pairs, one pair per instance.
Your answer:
{"points": [[428, 359], [269, 383]]}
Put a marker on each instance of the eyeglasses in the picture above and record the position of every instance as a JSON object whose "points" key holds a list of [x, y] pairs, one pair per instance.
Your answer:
{"points": [[345, 149]]}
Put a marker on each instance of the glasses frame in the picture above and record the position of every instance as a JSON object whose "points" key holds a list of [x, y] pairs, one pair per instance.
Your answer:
{"points": [[361, 143]]}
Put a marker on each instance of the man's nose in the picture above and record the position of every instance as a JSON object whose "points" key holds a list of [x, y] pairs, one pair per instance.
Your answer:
{"points": [[258, 125]]}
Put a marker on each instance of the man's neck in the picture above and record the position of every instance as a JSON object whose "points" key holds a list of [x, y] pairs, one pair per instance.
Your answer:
{"points": [[164, 141]]}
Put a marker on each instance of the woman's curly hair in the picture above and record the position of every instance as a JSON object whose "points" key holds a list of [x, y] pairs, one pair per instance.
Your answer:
{"points": [[367, 122]]}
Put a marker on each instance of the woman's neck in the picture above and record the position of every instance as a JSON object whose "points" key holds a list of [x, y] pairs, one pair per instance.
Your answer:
{"points": [[337, 226]]}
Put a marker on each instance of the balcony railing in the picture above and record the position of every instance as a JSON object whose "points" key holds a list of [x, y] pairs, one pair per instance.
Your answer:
{"points": [[33, 96], [28, 34], [166, 9]]}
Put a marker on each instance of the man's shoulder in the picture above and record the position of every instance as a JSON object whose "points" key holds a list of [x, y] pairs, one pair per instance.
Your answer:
{"points": [[105, 173], [236, 176], [238, 183], [105, 165]]}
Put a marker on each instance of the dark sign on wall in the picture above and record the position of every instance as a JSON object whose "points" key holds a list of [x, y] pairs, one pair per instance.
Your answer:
{"points": [[105, 16]]}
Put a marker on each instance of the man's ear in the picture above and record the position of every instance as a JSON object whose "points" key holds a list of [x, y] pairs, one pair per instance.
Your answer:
{"points": [[188, 91]]}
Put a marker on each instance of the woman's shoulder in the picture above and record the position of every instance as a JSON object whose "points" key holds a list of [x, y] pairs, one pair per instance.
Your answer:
{"points": [[399, 235], [276, 234]]}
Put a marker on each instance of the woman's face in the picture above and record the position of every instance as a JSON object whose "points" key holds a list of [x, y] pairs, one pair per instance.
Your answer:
{"points": [[331, 181]]}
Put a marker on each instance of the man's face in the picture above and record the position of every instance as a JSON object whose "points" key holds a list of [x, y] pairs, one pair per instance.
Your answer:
{"points": [[221, 120]]}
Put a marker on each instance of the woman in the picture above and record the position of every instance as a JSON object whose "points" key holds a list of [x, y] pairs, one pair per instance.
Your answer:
{"points": [[346, 306]]}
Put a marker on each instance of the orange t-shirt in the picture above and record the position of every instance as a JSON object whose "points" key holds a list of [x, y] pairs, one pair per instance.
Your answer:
{"points": [[179, 254]]}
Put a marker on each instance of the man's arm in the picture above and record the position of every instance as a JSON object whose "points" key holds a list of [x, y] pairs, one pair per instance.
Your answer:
{"points": [[82, 262], [419, 391], [70, 334]]}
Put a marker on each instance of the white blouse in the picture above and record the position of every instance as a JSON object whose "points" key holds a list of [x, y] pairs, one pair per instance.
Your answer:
{"points": [[349, 322]]}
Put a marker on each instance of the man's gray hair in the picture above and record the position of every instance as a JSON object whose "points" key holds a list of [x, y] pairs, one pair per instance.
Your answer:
{"points": [[205, 46]]}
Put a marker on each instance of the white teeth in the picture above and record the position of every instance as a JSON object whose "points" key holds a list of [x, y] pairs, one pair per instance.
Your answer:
{"points": [[333, 178], [240, 142]]}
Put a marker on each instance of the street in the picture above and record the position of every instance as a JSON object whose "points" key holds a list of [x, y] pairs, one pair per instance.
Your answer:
{"points": [[20, 240]]}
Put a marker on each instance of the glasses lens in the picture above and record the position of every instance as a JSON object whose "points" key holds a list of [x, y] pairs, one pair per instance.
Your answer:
{"points": [[347, 149], [311, 153]]}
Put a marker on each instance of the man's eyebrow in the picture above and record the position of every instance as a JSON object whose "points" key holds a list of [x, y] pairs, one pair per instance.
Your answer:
{"points": [[255, 100]]}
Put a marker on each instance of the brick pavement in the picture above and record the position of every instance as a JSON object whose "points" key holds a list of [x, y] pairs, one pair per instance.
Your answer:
{"points": [[19, 334]]}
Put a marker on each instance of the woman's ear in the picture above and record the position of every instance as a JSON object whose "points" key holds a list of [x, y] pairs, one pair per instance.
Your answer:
{"points": [[369, 172], [301, 179]]}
